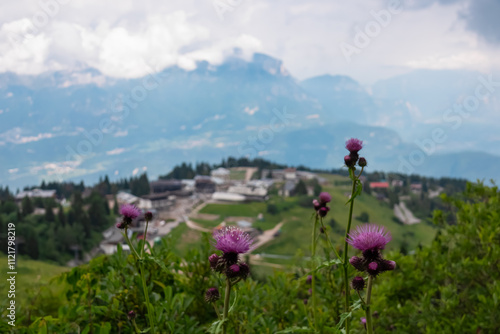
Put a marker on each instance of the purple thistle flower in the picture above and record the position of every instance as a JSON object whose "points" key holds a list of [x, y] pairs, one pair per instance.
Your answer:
{"points": [[363, 321], [309, 279], [354, 145], [369, 237], [131, 315], [232, 240], [316, 204], [129, 212], [325, 197]]}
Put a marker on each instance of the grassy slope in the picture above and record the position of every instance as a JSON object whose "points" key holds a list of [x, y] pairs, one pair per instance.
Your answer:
{"points": [[31, 275], [296, 233]]}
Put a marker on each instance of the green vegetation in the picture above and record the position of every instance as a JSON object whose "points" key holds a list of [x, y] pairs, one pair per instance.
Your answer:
{"points": [[54, 235], [450, 285], [297, 211], [237, 175]]}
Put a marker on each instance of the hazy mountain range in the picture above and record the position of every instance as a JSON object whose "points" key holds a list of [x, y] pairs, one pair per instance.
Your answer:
{"points": [[81, 124]]}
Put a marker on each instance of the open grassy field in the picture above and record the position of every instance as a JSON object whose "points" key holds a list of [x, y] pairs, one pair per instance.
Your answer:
{"points": [[34, 281], [296, 232]]}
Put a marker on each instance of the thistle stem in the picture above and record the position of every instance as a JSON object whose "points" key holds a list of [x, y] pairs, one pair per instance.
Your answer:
{"points": [[313, 274], [369, 320], [226, 306], [328, 238], [345, 262], [146, 295], [144, 238], [216, 311], [143, 279], [125, 235]]}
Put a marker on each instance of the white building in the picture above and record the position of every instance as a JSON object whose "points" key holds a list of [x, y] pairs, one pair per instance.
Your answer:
{"points": [[228, 197], [36, 193], [125, 198]]}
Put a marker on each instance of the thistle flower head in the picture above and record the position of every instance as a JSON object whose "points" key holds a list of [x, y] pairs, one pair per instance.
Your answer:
{"points": [[309, 279], [358, 283], [354, 145], [148, 216], [362, 162], [325, 197], [131, 315], [369, 237], [212, 295], [316, 204], [129, 212], [232, 240]]}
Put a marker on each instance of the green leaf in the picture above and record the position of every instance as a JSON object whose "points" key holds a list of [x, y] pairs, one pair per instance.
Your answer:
{"points": [[343, 317], [325, 265], [234, 301], [216, 326], [105, 328], [296, 329]]}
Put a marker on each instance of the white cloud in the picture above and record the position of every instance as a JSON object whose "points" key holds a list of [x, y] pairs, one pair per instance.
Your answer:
{"points": [[251, 111], [116, 151], [13, 170], [15, 136], [135, 171], [56, 168], [126, 38]]}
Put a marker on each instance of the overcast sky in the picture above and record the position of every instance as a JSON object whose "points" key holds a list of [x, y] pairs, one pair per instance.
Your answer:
{"points": [[127, 38]]}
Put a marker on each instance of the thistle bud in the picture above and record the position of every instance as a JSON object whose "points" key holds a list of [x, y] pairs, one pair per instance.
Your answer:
{"points": [[121, 225], [214, 261], [362, 162], [357, 263], [358, 283], [373, 268], [233, 271], [325, 197], [131, 315], [244, 270], [323, 211], [148, 216], [212, 295]]}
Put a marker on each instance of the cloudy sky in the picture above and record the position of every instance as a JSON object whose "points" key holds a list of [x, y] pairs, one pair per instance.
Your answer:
{"points": [[127, 38]]}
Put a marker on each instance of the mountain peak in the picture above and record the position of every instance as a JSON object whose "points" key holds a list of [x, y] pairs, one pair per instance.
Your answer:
{"points": [[269, 64]]}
